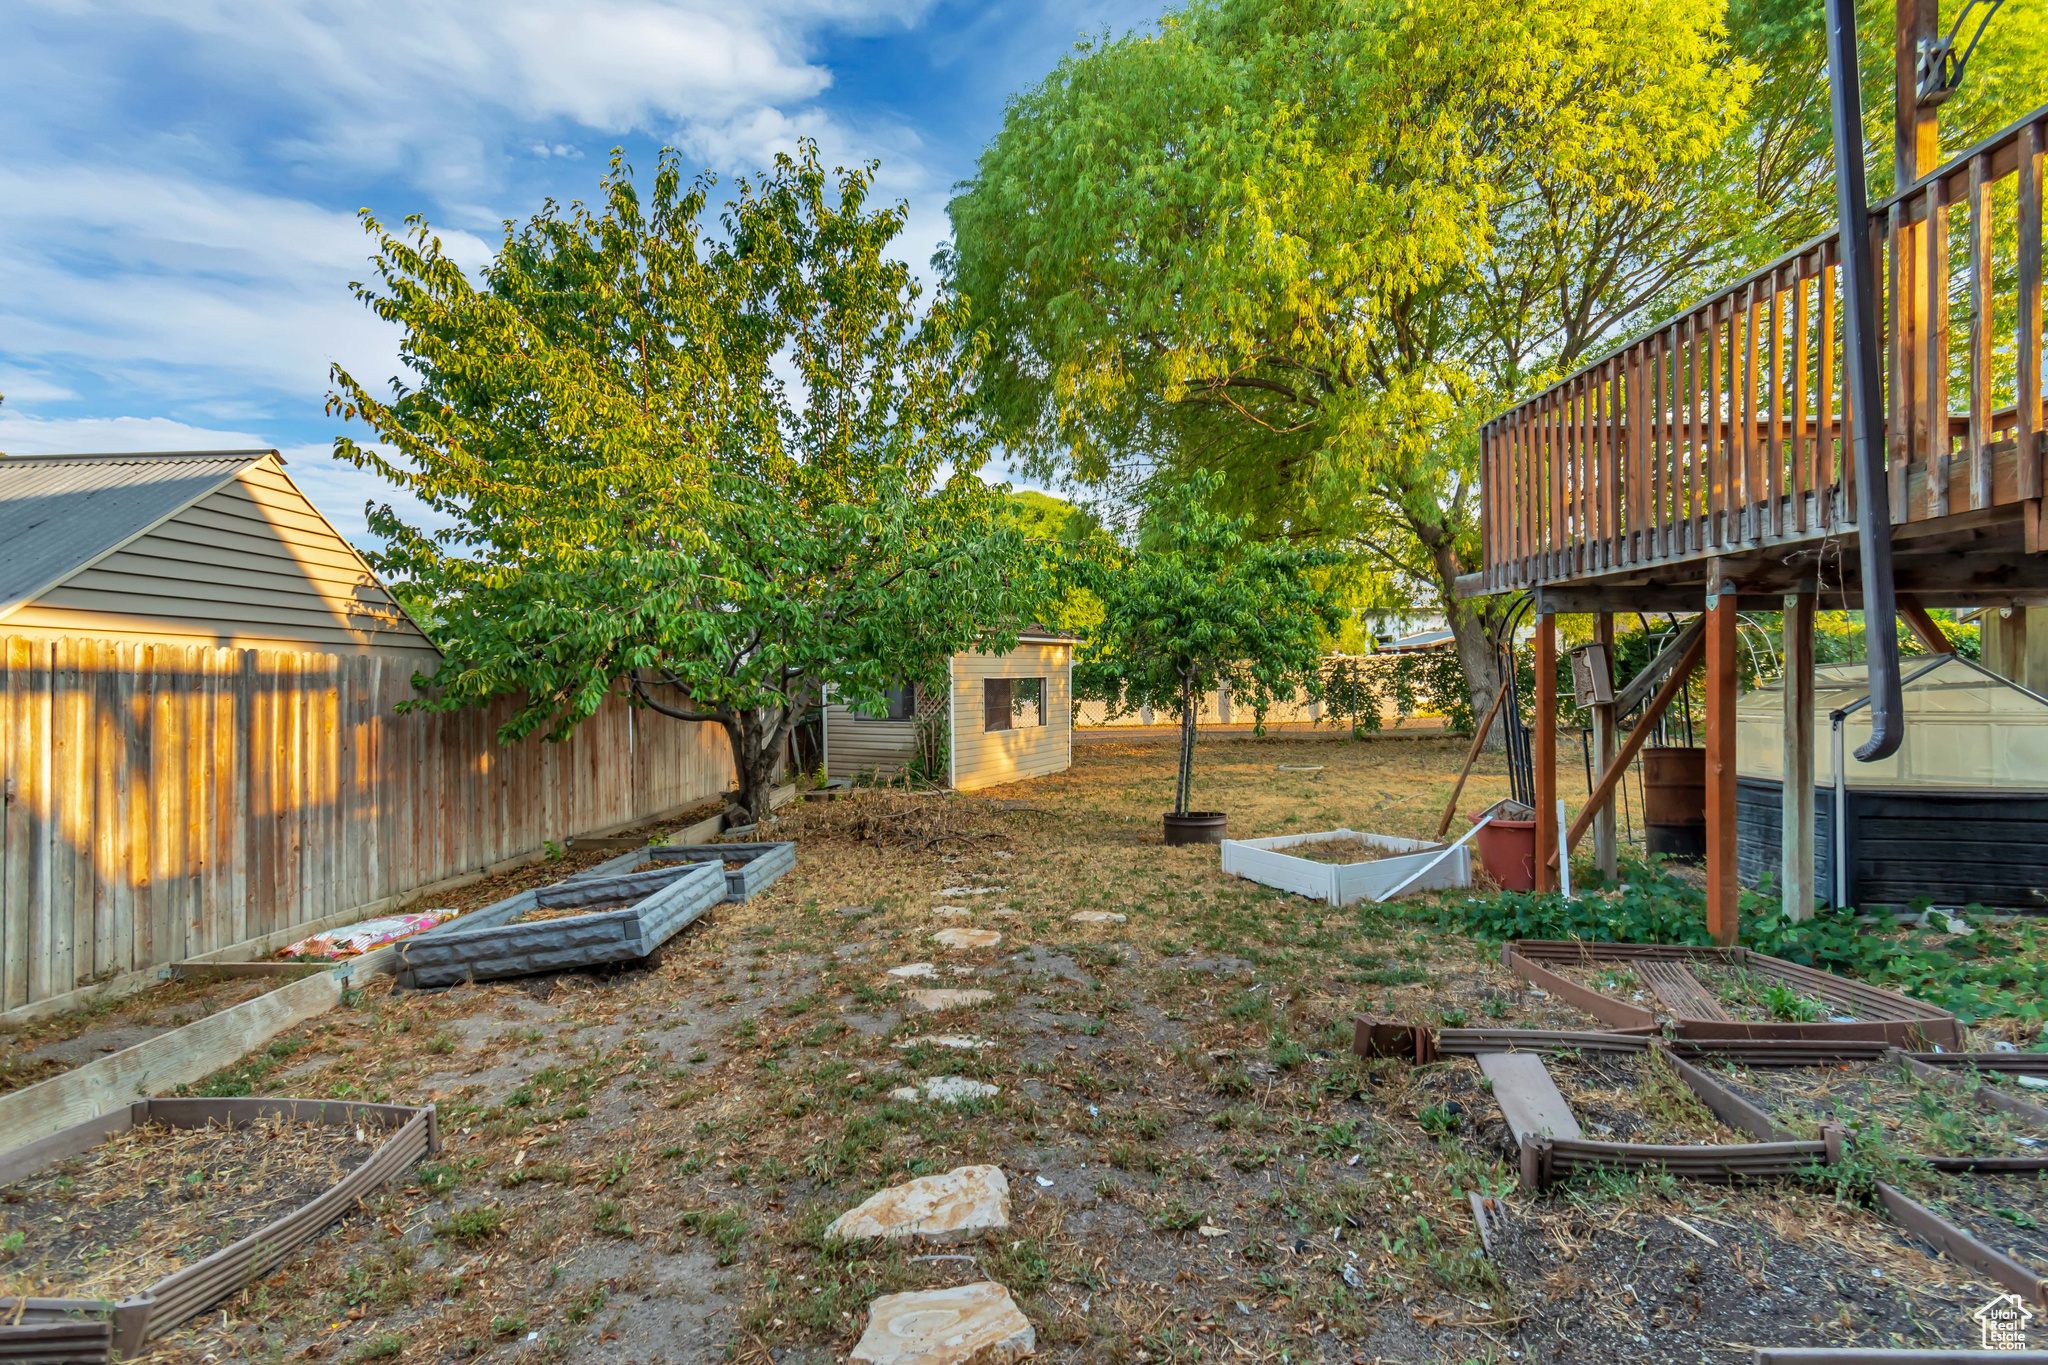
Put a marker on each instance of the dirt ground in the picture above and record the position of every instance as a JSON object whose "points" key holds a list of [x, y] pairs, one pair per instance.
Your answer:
{"points": [[639, 1164]]}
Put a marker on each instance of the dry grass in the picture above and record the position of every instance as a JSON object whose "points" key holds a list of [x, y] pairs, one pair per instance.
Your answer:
{"points": [[619, 1142]]}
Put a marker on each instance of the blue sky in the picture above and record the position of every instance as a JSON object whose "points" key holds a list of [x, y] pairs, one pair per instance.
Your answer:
{"points": [[178, 200]]}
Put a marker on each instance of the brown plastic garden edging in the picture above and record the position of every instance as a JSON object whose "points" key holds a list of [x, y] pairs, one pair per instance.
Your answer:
{"points": [[99, 1329], [1544, 1160], [1883, 1016]]}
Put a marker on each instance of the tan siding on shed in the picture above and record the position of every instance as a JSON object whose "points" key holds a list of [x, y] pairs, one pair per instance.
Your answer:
{"points": [[252, 565], [856, 745], [985, 759]]}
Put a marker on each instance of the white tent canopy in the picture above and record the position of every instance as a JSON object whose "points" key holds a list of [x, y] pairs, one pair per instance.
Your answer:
{"points": [[1966, 728]]}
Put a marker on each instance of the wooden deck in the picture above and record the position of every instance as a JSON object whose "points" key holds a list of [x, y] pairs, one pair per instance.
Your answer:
{"points": [[1723, 433]]}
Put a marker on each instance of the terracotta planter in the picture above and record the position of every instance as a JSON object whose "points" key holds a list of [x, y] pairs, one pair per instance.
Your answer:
{"points": [[1507, 850], [1196, 827]]}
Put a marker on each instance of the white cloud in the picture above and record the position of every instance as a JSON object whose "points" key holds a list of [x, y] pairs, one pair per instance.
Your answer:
{"points": [[26, 386], [183, 289], [385, 81]]}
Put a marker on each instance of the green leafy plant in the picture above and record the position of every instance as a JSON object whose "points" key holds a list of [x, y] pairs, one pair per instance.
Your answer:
{"points": [[1197, 603], [723, 472], [472, 1226]]}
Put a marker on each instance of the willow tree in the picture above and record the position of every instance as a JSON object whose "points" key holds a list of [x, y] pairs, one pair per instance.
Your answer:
{"points": [[721, 473], [1267, 241]]}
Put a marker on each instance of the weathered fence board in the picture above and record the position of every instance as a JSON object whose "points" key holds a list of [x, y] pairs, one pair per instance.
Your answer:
{"points": [[164, 802]]}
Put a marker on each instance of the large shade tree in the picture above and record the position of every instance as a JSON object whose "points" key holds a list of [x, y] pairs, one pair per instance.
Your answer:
{"points": [[1312, 244], [726, 474], [1309, 244]]}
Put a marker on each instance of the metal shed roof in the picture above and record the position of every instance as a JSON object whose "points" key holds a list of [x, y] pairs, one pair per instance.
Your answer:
{"points": [[60, 513]]}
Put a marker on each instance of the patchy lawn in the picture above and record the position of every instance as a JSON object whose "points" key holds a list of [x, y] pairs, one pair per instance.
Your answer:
{"points": [[640, 1164]]}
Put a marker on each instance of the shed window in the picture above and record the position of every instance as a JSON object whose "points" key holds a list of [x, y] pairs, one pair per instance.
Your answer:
{"points": [[1012, 703], [898, 703]]}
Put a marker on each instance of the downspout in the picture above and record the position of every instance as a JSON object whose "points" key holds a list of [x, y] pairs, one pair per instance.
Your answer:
{"points": [[1837, 744], [1866, 404]]}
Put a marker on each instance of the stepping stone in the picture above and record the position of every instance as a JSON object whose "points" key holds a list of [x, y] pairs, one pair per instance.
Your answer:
{"points": [[955, 1207], [1097, 917], [967, 938], [1528, 1098], [938, 1001], [970, 890], [958, 1042], [973, 1324], [945, 1090], [854, 911], [914, 969]]}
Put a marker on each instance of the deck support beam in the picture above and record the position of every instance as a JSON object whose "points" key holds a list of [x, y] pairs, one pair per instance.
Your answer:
{"points": [[1545, 757], [1723, 621], [1795, 847], [1604, 851]]}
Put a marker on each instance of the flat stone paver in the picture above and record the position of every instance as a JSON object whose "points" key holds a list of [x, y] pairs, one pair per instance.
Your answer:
{"points": [[945, 999], [972, 1324], [909, 969], [958, 1206], [958, 1042], [945, 1090], [1097, 917], [967, 938]]}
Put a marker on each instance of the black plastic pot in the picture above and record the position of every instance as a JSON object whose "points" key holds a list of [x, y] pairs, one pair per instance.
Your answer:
{"points": [[1196, 827]]}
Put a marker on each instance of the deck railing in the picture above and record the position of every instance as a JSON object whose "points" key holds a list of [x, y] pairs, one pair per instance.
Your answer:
{"points": [[1726, 428]]}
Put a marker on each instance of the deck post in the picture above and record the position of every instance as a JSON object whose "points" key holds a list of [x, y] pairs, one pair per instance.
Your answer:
{"points": [[1722, 623], [1546, 750], [1604, 852], [1795, 846]]}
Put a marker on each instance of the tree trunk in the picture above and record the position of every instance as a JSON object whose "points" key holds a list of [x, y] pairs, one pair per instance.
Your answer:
{"points": [[1184, 778], [1477, 657], [756, 736]]}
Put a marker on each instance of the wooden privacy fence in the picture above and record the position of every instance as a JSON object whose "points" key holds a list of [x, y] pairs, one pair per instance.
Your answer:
{"points": [[167, 801], [1727, 426]]}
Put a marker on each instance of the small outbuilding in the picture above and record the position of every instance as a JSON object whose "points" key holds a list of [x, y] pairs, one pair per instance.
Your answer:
{"points": [[1001, 718], [216, 548]]}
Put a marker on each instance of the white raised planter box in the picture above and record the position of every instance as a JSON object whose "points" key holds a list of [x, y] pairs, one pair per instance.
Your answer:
{"points": [[1267, 861]]}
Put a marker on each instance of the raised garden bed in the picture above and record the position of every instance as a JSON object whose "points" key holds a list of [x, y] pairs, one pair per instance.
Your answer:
{"points": [[1911, 1112], [749, 868], [1989, 1212], [1568, 1108], [609, 919], [145, 1216], [1725, 993], [1373, 866]]}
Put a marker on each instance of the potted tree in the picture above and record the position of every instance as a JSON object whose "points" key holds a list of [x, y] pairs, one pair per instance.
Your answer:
{"points": [[1198, 603]]}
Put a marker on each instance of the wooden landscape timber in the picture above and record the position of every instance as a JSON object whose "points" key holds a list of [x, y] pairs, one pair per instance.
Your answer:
{"points": [[180, 1057], [127, 1325], [487, 944]]}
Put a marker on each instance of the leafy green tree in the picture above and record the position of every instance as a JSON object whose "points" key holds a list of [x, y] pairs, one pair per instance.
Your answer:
{"points": [[1310, 244], [726, 474], [1203, 602]]}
